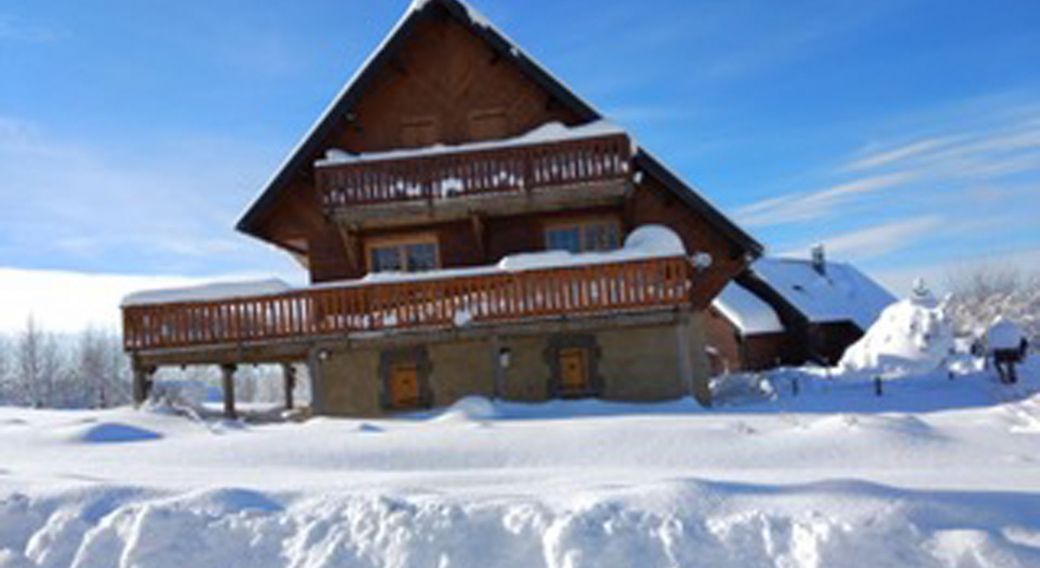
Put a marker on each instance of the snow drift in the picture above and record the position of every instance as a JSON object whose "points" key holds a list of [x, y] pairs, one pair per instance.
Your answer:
{"points": [[684, 522], [911, 336]]}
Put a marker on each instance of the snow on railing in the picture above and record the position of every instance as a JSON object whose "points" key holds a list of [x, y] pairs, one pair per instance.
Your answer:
{"points": [[444, 175], [433, 303]]}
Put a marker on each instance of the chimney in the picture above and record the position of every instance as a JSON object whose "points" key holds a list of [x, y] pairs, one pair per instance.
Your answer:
{"points": [[819, 262]]}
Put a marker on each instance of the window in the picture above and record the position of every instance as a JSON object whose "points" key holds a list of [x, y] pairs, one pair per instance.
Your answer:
{"points": [[403, 254], [583, 236]]}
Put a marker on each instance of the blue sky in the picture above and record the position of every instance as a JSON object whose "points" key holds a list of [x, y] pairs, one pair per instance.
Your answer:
{"points": [[904, 134]]}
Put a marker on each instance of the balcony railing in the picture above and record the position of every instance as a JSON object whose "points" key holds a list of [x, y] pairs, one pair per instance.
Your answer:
{"points": [[472, 172], [428, 303]]}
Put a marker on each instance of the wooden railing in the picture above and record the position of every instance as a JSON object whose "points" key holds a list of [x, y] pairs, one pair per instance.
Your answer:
{"points": [[475, 172], [442, 302]]}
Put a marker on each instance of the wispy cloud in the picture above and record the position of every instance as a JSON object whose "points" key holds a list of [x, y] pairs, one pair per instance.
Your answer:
{"points": [[899, 153], [14, 29], [945, 168], [156, 211], [796, 207], [939, 274], [879, 240]]}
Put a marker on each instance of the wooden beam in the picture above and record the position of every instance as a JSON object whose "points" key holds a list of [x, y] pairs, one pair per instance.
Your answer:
{"points": [[142, 383], [289, 373], [228, 383], [628, 215], [479, 234], [352, 244]]}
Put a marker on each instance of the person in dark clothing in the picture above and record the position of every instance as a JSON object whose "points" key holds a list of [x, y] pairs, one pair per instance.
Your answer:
{"points": [[1006, 359]]}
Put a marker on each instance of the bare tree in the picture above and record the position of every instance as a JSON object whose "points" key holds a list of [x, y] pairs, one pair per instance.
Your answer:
{"points": [[982, 294], [98, 377], [5, 370], [38, 365]]}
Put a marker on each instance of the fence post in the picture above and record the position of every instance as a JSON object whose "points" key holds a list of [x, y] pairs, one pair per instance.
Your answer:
{"points": [[878, 390]]}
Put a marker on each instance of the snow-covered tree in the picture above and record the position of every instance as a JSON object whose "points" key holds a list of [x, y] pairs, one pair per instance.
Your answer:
{"points": [[5, 370], [982, 295], [100, 372], [38, 365]]}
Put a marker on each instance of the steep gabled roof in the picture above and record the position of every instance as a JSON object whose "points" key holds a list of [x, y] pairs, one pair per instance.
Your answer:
{"points": [[310, 147], [839, 293]]}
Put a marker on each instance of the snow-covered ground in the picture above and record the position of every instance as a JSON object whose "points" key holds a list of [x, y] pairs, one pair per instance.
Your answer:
{"points": [[935, 472]]}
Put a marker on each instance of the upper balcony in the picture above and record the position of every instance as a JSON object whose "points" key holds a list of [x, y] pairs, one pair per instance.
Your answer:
{"points": [[550, 168]]}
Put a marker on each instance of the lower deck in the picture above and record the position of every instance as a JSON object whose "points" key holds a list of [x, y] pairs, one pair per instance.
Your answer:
{"points": [[623, 330]]}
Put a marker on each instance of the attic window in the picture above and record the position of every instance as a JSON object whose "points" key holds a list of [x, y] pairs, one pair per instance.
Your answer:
{"points": [[488, 124], [419, 132]]}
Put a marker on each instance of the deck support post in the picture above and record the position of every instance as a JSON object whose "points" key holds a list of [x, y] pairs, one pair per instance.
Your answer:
{"points": [[143, 380], [289, 373], [498, 366], [227, 375], [690, 344]]}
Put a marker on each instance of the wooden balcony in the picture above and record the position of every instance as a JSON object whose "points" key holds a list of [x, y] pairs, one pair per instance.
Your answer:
{"points": [[491, 180], [358, 309]]}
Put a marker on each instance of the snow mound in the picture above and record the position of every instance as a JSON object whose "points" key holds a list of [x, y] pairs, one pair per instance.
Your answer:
{"points": [[838, 524], [470, 408], [911, 336], [655, 239], [1004, 334], [115, 433]]}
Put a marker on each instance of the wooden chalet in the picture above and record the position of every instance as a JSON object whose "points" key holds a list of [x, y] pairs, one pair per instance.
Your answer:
{"points": [[448, 151]]}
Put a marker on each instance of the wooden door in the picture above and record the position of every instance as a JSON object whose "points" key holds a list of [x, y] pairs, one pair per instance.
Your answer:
{"points": [[573, 370], [404, 385]]}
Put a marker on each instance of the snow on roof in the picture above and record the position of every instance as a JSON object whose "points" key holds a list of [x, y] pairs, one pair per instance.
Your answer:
{"points": [[549, 132], [841, 293], [646, 242], [748, 312], [215, 291], [1004, 334]]}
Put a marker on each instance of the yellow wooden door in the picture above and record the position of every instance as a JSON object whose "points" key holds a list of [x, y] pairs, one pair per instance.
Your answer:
{"points": [[404, 385], [573, 370]]}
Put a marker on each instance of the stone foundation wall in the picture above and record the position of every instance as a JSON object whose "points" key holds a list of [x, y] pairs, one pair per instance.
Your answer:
{"points": [[630, 363]]}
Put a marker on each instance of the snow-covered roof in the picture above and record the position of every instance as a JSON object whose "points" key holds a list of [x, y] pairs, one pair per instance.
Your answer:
{"points": [[749, 313], [1004, 334], [549, 132], [215, 291], [841, 293]]}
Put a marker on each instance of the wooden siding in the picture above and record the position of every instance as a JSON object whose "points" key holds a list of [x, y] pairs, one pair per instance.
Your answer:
{"points": [[444, 72]]}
